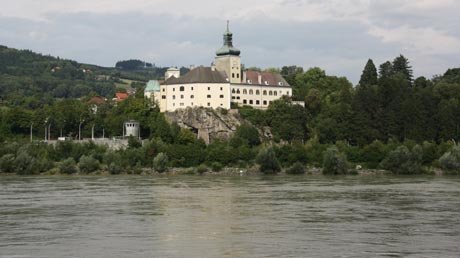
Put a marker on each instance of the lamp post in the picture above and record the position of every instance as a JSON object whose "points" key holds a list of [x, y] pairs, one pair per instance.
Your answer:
{"points": [[31, 131]]}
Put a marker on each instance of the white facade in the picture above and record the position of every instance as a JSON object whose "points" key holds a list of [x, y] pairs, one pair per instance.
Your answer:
{"points": [[212, 95], [257, 96]]}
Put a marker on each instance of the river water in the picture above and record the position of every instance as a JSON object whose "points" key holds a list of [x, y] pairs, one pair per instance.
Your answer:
{"points": [[221, 216]]}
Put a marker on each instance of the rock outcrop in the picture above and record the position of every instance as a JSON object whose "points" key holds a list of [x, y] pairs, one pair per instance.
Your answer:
{"points": [[208, 124]]}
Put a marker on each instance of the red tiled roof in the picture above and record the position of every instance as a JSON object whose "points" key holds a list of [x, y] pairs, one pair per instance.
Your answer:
{"points": [[121, 95], [97, 100]]}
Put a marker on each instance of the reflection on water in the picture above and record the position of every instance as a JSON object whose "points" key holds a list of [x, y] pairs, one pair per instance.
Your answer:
{"points": [[193, 216]]}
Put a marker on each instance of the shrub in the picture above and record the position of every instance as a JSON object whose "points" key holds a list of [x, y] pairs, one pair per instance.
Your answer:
{"points": [[268, 161], [296, 169], [249, 133], [334, 162], [88, 164], [67, 166], [451, 160], [403, 161], [133, 142], [160, 162], [24, 163], [216, 166], [201, 169], [7, 163], [114, 168]]}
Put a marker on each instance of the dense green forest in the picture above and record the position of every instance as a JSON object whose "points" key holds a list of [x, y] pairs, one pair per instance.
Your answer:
{"points": [[389, 120]]}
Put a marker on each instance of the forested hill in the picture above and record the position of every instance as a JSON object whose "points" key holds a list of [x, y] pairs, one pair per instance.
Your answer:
{"points": [[25, 74]]}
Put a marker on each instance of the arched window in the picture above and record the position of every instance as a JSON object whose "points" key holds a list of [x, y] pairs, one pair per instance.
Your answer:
{"points": [[270, 93], [245, 92], [257, 92], [265, 92], [275, 93], [238, 91], [251, 92], [181, 88], [233, 90]]}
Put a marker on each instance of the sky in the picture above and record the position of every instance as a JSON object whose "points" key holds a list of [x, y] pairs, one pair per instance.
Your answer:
{"points": [[338, 36]]}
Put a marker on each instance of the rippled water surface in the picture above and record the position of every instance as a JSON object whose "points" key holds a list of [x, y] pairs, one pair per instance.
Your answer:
{"points": [[213, 216]]}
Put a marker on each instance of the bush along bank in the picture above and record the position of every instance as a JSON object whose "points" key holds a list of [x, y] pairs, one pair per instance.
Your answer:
{"points": [[192, 156]]}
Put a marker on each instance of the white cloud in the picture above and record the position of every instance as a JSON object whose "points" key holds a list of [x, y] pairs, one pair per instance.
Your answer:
{"points": [[423, 40]]}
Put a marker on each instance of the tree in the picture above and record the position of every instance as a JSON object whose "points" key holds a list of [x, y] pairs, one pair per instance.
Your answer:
{"points": [[68, 166], [334, 162], [248, 133], [404, 161], [369, 75], [160, 162], [386, 70], [88, 164], [268, 162], [401, 65]]}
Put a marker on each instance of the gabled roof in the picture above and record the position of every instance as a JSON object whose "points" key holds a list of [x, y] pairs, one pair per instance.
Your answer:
{"points": [[121, 95], [199, 75], [267, 78], [152, 85]]}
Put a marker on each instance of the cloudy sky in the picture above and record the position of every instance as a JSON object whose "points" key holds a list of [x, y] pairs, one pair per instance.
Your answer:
{"points": [[336, 35]]}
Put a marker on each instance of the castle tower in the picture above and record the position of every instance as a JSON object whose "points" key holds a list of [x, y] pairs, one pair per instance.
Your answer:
{"points": [[228, 58]]}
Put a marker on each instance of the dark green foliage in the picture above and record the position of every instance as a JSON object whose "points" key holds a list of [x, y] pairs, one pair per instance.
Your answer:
{"points": [[249, 134], [68, 166], [216, 166], [268, 162], [369, 75], [401, 65], [88, 164], [201, 169], [404, 161], [450, 161], [334, 162], [289, 154], [133, 142], [296, 169], [131, 64], [160, 162], [7, 163]]}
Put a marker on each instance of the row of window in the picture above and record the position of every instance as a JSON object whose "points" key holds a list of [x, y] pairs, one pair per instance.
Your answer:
{"points": [[257, 102], [251, 92], [191, 104], [191, 96], [182, 88]]}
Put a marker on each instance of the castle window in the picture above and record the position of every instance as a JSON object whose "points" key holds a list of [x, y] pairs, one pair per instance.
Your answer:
{"points": [[251, 92], [163, 89], [191, 104], [287, 92], [237, 75], [265, 102], [257, 92], [270, 93], [233, 75], [192, 88], [245, 92], [209, 96], [209, 104], [174, 89], [265, 92], [238, 91], [163, 96], [249, 81], [209, 88], [238, 97], [266, 82], [275, 93], [181, 104], [233, 97], [250, 101], [257, 102], [280, 83], [181, 96], [233, 90], [245, 101], [174, 104], [221, 96], [174, 96], [181, 88], [191, 96], [221, 88]]}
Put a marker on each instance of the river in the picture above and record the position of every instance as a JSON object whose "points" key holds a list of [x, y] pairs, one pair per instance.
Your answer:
{"points": [[229, 216]]}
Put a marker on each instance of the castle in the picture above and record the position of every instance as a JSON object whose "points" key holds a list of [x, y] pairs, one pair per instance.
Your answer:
{"points": [[223, 83]]}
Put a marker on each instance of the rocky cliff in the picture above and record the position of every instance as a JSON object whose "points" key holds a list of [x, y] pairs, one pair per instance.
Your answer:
{"points": [[208, 124]]}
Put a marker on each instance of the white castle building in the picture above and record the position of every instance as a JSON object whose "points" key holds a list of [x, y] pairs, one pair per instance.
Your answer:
{"points": [[219, 85]]}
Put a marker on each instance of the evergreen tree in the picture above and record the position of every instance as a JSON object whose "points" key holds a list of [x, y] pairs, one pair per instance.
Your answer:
{"points": [[386, 70], [369, 75], [401, 65]]}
